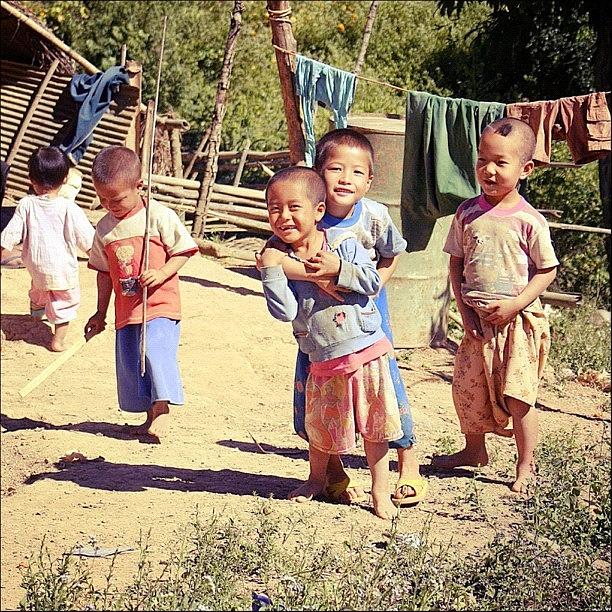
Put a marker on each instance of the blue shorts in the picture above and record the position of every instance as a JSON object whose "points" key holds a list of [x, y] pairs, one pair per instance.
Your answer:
{"points": [[301, 374], [162, 379]]}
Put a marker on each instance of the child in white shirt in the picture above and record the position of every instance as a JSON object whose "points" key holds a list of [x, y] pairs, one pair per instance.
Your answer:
{"points": [[51, 229]]}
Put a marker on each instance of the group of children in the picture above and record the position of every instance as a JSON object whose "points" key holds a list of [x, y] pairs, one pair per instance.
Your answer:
{"points": [[325, 270]]}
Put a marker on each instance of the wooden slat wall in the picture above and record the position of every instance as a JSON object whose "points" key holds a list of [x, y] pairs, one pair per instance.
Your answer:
{"points": [[18, 86]]}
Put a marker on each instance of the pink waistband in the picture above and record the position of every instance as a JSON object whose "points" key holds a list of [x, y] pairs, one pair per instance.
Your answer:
{"points": [[352, 362]]}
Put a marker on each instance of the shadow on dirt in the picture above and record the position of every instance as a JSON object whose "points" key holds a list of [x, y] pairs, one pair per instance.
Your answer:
{"points": [[108, 476], [109, 430], [26, 328]]}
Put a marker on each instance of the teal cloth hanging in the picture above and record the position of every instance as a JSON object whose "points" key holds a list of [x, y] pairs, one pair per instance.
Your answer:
{"points": [[318, 82]]}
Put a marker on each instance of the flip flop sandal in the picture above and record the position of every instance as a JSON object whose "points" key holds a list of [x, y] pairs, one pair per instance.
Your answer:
{"points": [[419, 485], [337, 492]]}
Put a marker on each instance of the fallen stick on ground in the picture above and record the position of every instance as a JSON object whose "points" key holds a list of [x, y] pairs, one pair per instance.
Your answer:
{"points": [[52, 367], [297, 451]]}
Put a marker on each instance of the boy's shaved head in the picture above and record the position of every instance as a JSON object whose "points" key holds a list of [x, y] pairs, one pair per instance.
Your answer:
{"points": [[520, 130], [116, 165], [339, 137], [314, 185]]}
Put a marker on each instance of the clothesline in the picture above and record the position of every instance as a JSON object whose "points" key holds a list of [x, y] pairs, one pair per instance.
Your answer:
{"points": [[288, 52]]}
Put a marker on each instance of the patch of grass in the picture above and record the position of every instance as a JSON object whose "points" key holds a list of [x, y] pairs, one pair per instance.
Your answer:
{"points": [[558, 559], [577, 343], [445, 445]]}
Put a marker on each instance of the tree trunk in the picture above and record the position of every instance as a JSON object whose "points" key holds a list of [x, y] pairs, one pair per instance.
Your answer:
{"points": [[210, 169], [366, 37], [279, 13]]}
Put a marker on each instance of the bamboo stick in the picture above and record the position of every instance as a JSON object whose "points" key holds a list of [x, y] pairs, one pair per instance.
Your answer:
{"points": [[210, 170], [240, 211], [28, 117], [243, 158], [52, 367], [580, 228], [151, 110], [256, 225]]}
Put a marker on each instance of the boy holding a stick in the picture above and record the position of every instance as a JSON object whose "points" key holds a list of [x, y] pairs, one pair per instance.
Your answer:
{"points": [[117, 256]]}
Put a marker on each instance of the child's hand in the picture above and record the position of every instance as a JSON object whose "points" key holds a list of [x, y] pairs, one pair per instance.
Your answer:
{"points": [[324, 264], [501, 311], [95, 325], [273, 244], [152, 278], [471, 323]]}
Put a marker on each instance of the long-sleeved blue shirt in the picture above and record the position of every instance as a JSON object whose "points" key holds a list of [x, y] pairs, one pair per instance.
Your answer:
{"points": [[323, 327]]}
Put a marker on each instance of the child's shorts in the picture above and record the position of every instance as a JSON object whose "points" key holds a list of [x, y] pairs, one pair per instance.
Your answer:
{"points": [[162, 379], [509, 363], [59, 306], [340, 407]]}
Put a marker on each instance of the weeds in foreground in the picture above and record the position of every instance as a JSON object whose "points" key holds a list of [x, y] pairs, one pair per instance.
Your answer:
{"points": [[558, 559], [577, 343]]}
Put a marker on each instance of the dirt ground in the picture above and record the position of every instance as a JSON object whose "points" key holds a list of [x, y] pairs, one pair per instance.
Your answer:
{"points": [[237, 365]]}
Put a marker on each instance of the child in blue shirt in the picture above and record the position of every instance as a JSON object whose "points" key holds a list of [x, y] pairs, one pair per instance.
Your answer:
{"points": [[349, 388], [345, 160]]}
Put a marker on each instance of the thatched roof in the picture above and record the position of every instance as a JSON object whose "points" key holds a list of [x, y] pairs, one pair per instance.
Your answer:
{"points": [[26, 40]]}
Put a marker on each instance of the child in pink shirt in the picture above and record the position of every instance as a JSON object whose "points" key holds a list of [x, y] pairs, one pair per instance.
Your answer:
{"points": [[52, 229]]}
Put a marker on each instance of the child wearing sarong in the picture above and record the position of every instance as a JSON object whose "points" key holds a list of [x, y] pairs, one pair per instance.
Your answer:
{"points": [[349, 388], [116, 255], [502, 260]]}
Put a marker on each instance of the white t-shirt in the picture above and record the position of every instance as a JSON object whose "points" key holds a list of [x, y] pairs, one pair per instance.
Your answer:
{"points": [[51, 229]]}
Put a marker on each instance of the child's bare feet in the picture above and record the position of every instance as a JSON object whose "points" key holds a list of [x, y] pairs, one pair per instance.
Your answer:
{"points": [[463, 458], [383, 507], [525, 478], [57, 345], [159, 416], [307, 491]]}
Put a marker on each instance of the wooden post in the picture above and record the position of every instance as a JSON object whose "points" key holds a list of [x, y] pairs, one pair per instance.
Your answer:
{"points": [[210, 170], [243, 158], [132, 139], [30, 113], [147, 139], [175, 150], [366, 37], [189, 171], [279, 13]]}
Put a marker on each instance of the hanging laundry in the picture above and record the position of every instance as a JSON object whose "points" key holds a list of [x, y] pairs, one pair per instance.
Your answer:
{"points": [[583, 121], [440, 152], [93, 94], [318, 82]]}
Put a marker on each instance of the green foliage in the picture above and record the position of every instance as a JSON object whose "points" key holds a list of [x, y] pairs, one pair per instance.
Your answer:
{"points": [[558, 559], [526, 50], [577, 343], [575, 191]]}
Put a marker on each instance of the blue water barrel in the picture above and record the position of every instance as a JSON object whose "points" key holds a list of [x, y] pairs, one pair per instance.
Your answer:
{"points": [[419, 291]]}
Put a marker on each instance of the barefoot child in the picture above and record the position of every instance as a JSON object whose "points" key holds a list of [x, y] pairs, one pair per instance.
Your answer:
{"points": [[345, 160], [52, 228], [349, 389], [502, 260], [116, 255]]}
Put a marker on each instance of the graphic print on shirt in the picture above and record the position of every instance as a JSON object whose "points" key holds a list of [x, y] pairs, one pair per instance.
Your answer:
{"points": [[127, 266]]}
